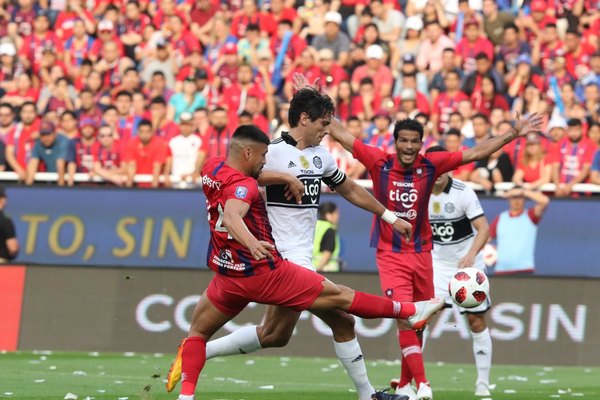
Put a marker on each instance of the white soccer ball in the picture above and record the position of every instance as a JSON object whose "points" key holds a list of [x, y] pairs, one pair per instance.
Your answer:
{"points": [[469, 287], [490, 255]]}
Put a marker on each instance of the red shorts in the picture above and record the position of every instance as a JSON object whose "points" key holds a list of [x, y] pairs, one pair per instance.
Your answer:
{"points": [[289, 285], [406, 276]]}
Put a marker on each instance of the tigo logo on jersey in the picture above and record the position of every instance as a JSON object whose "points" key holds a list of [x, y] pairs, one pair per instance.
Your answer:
{"points": [[241, 192]]}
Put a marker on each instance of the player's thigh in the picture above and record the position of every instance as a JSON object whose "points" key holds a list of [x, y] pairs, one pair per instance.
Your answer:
{"points": [[277, 326], [332, 296], [442, 273], [423, 276], [207, 319]]}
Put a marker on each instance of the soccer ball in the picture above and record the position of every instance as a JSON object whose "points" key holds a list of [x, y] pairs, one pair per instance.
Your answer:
{"points": [[469, 287]]}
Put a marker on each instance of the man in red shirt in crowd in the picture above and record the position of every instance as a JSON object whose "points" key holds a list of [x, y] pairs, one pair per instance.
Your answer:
{"points": [[126, 120], [572, 159], [106, 33], [376, 69], [296, 44], [163, 127], [30, 52], [331, 72], [216, 140], [447, 102], [182, 40], [145, 154], [403, 183], [249, 14], [234, 97], [21, 139], [7, 121], [471, 45]]}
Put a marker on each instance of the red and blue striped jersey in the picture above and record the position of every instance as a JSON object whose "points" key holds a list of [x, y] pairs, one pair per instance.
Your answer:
{"points": [[406, 192], [225, 255]]}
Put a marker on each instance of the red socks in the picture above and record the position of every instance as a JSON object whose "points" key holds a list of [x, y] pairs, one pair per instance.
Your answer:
{"points": [[367, 305], [193, 358], [412, 358]]}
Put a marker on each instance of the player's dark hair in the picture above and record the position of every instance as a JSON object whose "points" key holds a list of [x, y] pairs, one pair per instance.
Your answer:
{"points": [[453, 132], [574, 122], [312, 102], [145, 122], [325, 208], [408, 125], [158, 100], [250, 133], [27, 103], [123, 93], [435, 149]]}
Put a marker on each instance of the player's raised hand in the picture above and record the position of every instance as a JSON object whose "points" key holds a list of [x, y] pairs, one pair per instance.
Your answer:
{"points": [[299, 81], [404, 228], [261, 250], [294, 190], [532, 124]]}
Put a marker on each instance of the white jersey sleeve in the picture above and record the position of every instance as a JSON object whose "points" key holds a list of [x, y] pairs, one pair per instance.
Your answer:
{"points": [[471, 203]]}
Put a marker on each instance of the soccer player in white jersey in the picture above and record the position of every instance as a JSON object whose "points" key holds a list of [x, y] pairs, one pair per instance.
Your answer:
{"points": [[460, 231], [296, 160]]}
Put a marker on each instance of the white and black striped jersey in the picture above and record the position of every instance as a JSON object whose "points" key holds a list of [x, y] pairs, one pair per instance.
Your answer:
{"points": [[450, 215], [294, 224]]}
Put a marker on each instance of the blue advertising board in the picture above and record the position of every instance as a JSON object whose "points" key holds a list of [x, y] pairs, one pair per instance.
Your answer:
{"points": [[168, 228]]}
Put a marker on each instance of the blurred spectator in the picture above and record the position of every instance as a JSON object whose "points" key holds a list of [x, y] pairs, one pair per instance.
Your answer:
{"points": [[494, 169], [429, 58], [68, 125], [21, 140], [145, 154], [379, 133], [74, 13], [326, 249], [389, 21], [305, 65], [187, 153], [488, 97], [436, 85], [523, 76], [331, 72], [453, 142], [249, 46], [376, 70], [162, 67], [447, 102], [333, 38], [470, 46], [163, 127], [218, 134], [510, 49], [187, 100], [429, 139], [494, 21], [9, 244], [108, 161], [7, 121], [483, 67], [9, 65], [410, 43], [30, 53], [594, 133], [51, 151], [249, 14], [515, 231], [572, 159], [535, 168], [481, 130], [595, 174], [82, 150], [347, 103]]}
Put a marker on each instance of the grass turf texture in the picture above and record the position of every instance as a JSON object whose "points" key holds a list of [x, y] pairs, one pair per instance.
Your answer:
{"points": [[51, 375]]}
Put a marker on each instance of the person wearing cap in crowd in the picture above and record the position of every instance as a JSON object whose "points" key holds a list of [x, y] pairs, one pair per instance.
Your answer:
{"points": [[162, 62], [429, 58], [471, 45], [407, 102], [108, 159], [535, 168], [9, 244], [389, 21], [226, 67], [523, 76], [331, 71], [534, 23], [187, 153], [21, 139], [50, 149], [145, 154], [209, 92], [333, 38], [82, 150], [105, 33], [410, 41], [375, 69], [187, 100], [494, 21], [515, 231], [30, 53], [8, 66], [572, 159]]}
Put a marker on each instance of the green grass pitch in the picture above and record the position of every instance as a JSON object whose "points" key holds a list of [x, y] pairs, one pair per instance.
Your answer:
{"points": [[52, 375]]}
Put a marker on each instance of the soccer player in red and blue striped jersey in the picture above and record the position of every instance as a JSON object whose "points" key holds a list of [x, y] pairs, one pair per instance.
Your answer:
{"points": [[403, 182]]}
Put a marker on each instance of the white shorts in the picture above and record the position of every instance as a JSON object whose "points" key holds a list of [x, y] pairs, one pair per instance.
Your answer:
{"points": [[302, 259], [442, 273]]}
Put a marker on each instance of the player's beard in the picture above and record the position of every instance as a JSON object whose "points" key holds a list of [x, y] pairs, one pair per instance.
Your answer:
{"points": [[256, 174]]}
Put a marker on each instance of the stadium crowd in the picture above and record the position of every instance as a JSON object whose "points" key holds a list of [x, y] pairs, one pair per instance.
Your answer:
{"points": [[116, 88]]}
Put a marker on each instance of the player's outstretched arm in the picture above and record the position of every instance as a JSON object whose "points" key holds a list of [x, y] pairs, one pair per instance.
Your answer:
{"points": [[233, 214], [339, 134], [531, 124], [294, 186], [360, 197], [540, 199]]}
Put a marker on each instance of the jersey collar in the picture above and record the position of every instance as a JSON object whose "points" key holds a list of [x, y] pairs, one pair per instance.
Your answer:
{"points": [[448, 186], [288, 139]]}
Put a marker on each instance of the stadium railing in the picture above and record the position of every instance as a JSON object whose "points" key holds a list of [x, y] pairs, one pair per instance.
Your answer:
{"points": [[50, 177]]}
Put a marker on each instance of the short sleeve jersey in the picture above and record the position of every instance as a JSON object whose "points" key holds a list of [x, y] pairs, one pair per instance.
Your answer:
{"points": [[406, 192], [225, 255], [294, 224], [451, 213]]}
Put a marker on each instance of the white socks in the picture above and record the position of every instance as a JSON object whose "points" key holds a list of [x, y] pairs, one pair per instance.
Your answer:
{"points": [[351, 357], [482, 350], [186, 397], [241, 341]]}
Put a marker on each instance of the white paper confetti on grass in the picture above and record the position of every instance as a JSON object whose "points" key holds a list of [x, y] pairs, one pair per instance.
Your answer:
{"points": [[325, 370], [250, 362], [284, 359], [43, 352], [118, 382], [510, 391], [440, 363], [123, 398], [43, 358], [158, 355], [52, 367], [8, 393], [71, 396], [40, 381], [219, 378], [547, 381], [129, 354], [548, 369], [563, 391], [492, 386], [334, 366], [35, 362], [79, 373], [518, 378], [93, 354], [267, 387], [588, 370], [101, 391], [556, 396], [283, 364], [89, 398], [577, 394]]}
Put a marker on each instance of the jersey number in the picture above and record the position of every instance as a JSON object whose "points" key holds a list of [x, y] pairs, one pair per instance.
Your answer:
{"points": [[219, 225]]}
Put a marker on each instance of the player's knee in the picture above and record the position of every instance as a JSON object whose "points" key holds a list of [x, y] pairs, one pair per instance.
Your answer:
{"points": [[273, 337], [477, 323], [341, 323]]}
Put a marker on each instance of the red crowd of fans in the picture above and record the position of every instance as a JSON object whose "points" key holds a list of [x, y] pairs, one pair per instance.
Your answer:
{"points": [[116, 88]]}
